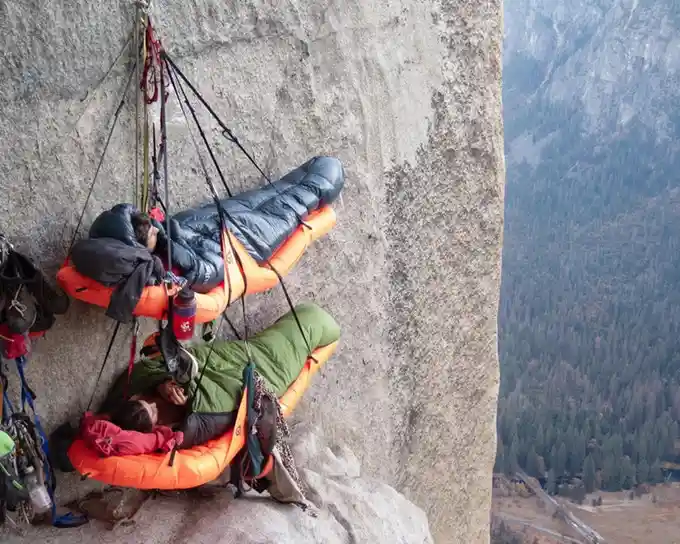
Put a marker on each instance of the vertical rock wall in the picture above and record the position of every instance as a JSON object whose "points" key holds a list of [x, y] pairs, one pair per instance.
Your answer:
{"points": [[407, 95]]}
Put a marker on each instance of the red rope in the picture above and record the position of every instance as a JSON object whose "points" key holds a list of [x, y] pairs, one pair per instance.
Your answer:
{"points": [[152, 65]]}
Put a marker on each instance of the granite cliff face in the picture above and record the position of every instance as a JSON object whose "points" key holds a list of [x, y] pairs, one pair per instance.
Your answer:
{"points": [[407, 95]]}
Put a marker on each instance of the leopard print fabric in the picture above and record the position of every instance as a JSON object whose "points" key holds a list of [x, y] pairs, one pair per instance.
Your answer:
{"points": [[261, 391]]}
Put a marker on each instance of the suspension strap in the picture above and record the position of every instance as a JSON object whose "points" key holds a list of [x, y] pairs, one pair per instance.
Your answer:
{"points": [[292, 309], [101, 161], [132, 357], [136, 30], [229, 134], [224, 237], [155, 196], [177, 84], [164, 143], [222, 213], [106, 358]]}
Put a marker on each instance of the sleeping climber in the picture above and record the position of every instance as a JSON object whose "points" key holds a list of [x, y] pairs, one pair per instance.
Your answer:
{"points": [[126, 249], [279, 353]]}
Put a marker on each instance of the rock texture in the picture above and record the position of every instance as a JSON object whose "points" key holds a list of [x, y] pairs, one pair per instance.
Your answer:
{"points": [[352, 508], [407, 94]]}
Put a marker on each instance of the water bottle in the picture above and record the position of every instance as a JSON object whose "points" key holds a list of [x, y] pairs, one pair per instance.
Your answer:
{"points": [[40, 498], [184, 315]]}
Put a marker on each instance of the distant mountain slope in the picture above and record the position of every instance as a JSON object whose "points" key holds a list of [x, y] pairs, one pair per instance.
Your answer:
{"points": [[590, 299]]}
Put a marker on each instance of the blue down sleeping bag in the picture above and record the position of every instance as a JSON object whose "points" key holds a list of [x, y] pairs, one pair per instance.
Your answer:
{"points": [[261, 220]]}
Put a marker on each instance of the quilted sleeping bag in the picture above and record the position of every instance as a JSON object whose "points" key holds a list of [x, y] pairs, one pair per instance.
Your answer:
{"points": [[261, 219]]}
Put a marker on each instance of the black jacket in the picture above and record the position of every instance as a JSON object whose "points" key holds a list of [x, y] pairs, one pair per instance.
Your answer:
{"points": [[114, 263]]}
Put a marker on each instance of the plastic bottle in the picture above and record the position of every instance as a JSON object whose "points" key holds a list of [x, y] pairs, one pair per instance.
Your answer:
{"points": [[184, 315], [40, 498]]}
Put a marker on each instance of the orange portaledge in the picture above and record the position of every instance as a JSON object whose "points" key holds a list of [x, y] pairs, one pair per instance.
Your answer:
{"points": [[191, 467], [154, 300]]}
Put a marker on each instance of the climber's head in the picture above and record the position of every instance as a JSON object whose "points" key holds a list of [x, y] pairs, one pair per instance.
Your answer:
{"points": [[136, 415], [145, 232]]}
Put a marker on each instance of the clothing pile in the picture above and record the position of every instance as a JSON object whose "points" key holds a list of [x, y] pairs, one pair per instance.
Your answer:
{"points": [[112, 256]]}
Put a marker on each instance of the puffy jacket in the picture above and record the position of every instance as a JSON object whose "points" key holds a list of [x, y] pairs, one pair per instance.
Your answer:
{"points": [[113, 257]]}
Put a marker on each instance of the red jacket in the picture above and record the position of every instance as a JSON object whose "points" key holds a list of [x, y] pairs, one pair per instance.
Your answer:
{"points": [[109, 439]]}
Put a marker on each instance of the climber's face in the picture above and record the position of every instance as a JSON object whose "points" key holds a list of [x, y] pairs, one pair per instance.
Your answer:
{"points": [[152, 238], [151, 409]]}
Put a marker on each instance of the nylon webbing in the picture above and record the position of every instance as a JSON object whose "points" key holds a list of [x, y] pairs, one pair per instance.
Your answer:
{"points": [[138, 77], [230, 135], [155, 197], [164, 143], [101, 161], [106, 358], [171, 67], [223, 233], [202, 133]]}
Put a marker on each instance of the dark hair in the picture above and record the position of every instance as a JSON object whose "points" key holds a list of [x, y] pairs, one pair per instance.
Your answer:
{"points": [[131, 415], [141, 223]]}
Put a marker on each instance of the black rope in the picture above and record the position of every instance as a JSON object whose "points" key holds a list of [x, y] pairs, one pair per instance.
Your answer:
{"points": [[164, 143], [155, 197], [211, 186], [101, 159], [173, 71], [106, 358], [292, 308], [223, 214], [230, 135], [138, 77], [223, 232], [231, 325], [176, 83]]}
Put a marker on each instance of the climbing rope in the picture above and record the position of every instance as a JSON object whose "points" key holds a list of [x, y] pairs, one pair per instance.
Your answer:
{"points": [[101, 369], [222, 213], [137, 30], [164, 144]]}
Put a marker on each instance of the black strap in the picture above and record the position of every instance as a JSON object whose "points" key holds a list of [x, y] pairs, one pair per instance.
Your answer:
{"points": [[223, 232], [231, 325], [292, 309], [106, 358], [116, 115], [176, 83], [228, 133], [164, 143], [173, 71]]}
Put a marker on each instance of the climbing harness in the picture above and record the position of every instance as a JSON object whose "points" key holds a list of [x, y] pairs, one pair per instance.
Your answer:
{"points": [[31, 439]]}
